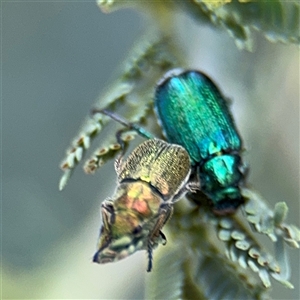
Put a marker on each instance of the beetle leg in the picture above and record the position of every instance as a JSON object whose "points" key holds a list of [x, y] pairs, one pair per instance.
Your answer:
{"points": [[164, 216], [162, 235], [150, 257], [193, 184]]}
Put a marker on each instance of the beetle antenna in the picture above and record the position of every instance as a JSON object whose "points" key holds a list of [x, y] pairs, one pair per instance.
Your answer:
{"points": [[132, 126]]}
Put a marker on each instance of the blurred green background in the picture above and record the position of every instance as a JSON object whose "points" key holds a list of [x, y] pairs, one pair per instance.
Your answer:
{"points": [[56, 59]]}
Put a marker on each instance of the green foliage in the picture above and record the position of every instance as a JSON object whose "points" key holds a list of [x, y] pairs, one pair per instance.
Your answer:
{"points": [[277, 20]]}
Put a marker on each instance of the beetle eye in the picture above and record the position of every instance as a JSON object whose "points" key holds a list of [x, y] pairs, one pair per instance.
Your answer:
{"points": [[137, 230]]}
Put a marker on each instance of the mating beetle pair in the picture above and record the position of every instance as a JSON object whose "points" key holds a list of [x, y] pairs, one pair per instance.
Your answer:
{"points": [[194, 115]]}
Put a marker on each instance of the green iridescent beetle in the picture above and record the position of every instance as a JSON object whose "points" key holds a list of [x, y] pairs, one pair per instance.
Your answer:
{"points": [[193, 113], [155, 175]]}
